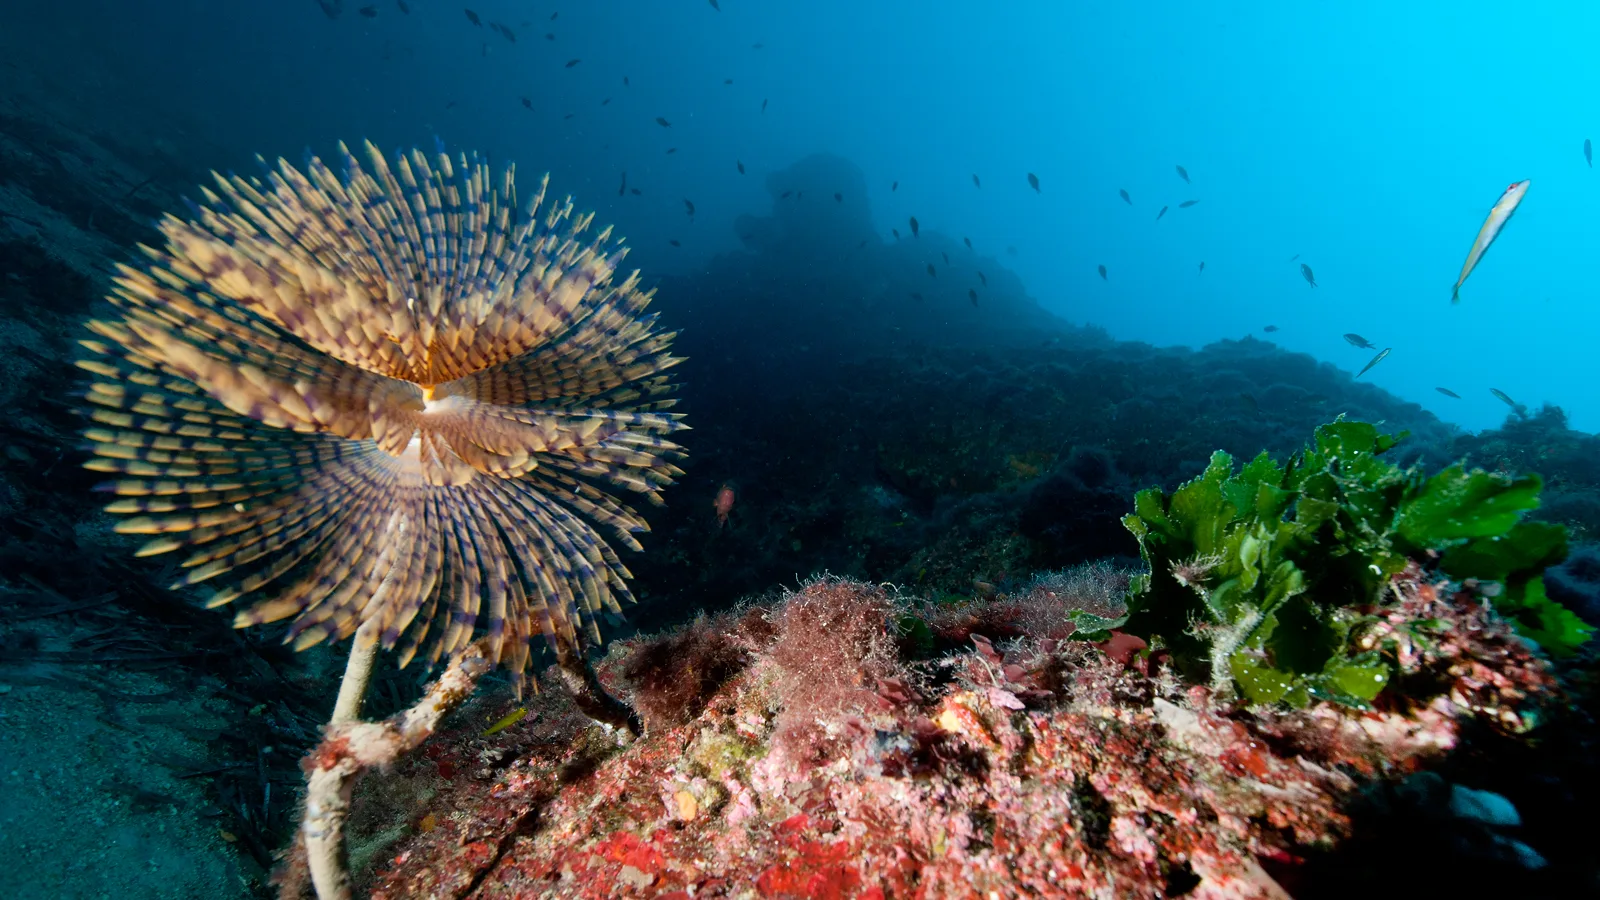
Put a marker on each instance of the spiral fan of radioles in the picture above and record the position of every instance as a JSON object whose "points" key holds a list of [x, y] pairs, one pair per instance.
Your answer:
{"points": [[387, 397]]}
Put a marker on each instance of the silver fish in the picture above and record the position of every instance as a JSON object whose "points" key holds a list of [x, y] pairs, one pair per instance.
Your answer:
{"points": [[1382, 355], [1516, 407], [1499, 215]]}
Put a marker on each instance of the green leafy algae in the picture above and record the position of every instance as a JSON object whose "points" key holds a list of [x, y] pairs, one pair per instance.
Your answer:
{"points": [[1257, 578]]}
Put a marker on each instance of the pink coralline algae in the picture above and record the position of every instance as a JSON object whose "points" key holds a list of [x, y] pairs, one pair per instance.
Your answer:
{"points": [[803, 750]]}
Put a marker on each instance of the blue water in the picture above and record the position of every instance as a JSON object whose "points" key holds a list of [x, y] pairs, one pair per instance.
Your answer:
{"points": [[1369, 138]]}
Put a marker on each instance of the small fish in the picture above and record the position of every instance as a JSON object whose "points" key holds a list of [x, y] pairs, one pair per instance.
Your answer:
{"points": [[1448, 393], [862, 244], [509, 720], [1202, 268], [1184, 174], [740, 165], [1516, 407], [573, 62], [636, 192], [1011, 249], [975, 182], [368, 12], [916, 296], [1588, 152], [1305, 271], [916, 230], [716, 6], [508, 34], [567, 116], [723, 503], [663, 122], [1033, 182], [786, 194], [1357, 340], [527, 103], [838, 197], [894, 187], [473, 18], [689, 205], [1162, 213], [973, 296], [896, 233], [1187, 203], [671, 150], [967, 241], [757, 46], [404, 7], [763, 104], [331, 8], [1125, 198], [1294, 257], [624, 81], [549, 35], [1103, 274], [931, 272], [1499, 215], [450, 105], [1270, 329], [983, 278], [674, 242], [624, 189], [606, 102], [554, 14], [1382, 355], [727, 81], [946, 257]]}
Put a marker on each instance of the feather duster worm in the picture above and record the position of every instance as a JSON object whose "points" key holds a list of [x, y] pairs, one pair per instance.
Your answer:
{"points": [[387, 398]]}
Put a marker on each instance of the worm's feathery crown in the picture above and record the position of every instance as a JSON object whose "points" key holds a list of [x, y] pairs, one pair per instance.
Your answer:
{"points": [[386, 396]]}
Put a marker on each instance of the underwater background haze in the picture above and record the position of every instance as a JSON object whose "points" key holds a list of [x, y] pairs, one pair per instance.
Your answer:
{"points": [[1367, 139]]}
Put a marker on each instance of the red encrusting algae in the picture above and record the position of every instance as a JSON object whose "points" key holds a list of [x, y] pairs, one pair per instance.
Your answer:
{"points": [[814, 760]]}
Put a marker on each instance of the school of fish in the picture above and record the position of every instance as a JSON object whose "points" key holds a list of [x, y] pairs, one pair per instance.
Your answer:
{"points": [[1493, 225]]}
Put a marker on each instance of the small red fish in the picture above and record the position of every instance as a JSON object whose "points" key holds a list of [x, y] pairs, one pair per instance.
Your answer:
{"points": [[723, 504]]}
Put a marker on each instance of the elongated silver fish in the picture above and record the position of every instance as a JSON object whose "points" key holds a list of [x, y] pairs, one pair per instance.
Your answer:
{"points": [[1516, 407], [1497, 219], [1375, 360]]}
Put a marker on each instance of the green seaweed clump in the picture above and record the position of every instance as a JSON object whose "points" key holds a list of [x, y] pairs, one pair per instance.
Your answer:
{"points": [[1258, 578]]}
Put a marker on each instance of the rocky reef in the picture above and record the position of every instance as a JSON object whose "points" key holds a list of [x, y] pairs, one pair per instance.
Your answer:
{"points": [[845, 741]]}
